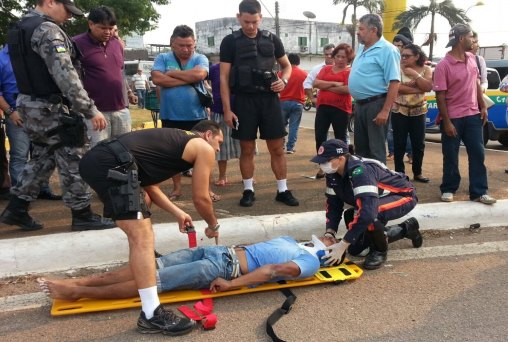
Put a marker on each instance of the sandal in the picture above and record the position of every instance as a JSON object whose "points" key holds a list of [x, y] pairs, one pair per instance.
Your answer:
{"points": [[174, 197], [214, 197]]}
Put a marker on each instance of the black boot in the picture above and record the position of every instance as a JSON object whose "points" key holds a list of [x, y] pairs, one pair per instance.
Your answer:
{"points": [[378, 249], [85, 219], [407, 229], [16, 214], [413, 231]]}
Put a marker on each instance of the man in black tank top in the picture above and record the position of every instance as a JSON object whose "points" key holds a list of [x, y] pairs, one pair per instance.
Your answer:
{"points": [[119, 170]]}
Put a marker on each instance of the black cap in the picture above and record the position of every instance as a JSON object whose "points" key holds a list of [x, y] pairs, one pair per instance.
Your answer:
{"points": [[332, 148], [71, 7], [455, 33]]}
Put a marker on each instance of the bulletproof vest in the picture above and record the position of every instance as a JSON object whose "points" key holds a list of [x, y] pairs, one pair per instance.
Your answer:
{"points": [[30, 70], [252, 69]]}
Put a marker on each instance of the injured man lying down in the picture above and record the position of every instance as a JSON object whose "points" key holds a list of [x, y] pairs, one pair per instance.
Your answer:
{"points": [[217, 268]]}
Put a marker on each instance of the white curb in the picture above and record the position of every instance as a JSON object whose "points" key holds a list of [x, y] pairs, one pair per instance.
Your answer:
{"points": [[60, 252]]}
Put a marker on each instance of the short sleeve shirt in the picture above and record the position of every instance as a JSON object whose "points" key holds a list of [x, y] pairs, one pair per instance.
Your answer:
{"points": [[279, 251], [459, 80], [180, 103], [373, 69]]}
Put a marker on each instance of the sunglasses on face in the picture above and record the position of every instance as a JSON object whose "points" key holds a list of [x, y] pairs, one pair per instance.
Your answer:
{"points": [[404, 56]]}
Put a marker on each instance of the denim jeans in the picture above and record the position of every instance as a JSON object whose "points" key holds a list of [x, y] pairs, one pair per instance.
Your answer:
{"points": [[141, 93], [193, 268], [470, 131], [292, 114], [18, 154]]}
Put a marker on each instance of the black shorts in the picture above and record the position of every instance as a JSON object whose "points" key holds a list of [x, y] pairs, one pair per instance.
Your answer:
{"points": [[93, 168], [186, 125], [258, 110]]}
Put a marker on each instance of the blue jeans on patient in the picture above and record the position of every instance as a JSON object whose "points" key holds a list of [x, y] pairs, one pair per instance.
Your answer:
{"points": [[193, 268], [470, 131], [292, 114]]}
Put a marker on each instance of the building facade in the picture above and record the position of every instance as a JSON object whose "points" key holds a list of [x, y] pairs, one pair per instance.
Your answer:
{"points": [[304, 37]]}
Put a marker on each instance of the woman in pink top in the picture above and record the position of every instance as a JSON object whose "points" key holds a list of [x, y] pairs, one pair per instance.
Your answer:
{"points": [[334, 104]]}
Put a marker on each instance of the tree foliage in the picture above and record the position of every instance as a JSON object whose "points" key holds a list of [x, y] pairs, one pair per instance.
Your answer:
{"points": [[373, 6], [415, 14], [137, 16]]}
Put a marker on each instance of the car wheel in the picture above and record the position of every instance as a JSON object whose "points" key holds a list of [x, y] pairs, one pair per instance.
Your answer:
{"points": [[503, 139]]}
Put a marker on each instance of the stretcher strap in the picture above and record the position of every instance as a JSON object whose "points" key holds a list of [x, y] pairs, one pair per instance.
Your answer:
{"points": [[277, 314], [202, 313]]}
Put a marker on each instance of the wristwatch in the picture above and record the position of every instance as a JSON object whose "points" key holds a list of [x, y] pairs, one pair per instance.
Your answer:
{"points": [[9, 111], [216, 228], [284, 81]]}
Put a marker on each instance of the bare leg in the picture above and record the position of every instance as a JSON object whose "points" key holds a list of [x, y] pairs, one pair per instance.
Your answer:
{"points": [[141, 246], [278, 159], [177, 187], [58, 289], [248, 149], [223, 165]]}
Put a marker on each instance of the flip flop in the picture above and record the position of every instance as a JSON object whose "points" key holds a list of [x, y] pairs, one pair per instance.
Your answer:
{"points": [[174, 197], [214, 197]]}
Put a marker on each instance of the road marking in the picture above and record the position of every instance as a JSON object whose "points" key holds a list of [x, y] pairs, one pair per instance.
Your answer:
{"points": [[39, 299]]}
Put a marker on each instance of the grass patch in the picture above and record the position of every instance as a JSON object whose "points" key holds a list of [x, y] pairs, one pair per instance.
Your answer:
{"points": [[139, 116]]}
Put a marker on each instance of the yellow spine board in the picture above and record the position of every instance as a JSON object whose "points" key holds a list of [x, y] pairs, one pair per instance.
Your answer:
{"points": [[343, 272]]}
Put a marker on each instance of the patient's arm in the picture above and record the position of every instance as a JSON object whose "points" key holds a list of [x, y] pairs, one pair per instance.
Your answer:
{"points": [[261, 275]]}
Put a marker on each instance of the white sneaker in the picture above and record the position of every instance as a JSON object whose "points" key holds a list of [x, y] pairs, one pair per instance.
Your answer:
{"points": [[486, 199], [447, 197]]}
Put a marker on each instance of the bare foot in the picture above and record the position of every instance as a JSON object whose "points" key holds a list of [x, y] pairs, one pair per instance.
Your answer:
{"points": [[57, 289]]}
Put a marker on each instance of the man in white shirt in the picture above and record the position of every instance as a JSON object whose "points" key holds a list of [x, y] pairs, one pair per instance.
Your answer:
{"points": [[311, 77], [140, 85]]}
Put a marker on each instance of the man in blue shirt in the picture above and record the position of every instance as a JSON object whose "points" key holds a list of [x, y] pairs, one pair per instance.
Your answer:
{"points": [[218, 268], [175, 72], [18, 139], [373, 83]]}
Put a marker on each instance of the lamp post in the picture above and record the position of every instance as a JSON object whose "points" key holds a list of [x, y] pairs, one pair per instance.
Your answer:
{"points": [[479, 3], [309, 15]]}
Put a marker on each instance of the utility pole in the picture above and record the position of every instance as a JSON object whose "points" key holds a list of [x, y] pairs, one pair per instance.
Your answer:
{"points": [[277, 26]]}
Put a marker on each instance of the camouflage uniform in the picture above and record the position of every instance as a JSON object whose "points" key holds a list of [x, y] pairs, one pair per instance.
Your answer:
{"points": [[51, 43]]}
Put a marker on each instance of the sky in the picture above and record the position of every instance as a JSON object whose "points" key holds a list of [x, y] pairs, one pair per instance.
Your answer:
{"points": [[487, 20]]}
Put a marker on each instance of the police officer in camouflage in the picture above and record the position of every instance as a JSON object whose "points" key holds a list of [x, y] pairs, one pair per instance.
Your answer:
{"points": [[42, 57]]}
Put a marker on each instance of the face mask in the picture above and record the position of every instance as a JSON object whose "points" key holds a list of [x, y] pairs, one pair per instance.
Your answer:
{"points": [[327, 167]]}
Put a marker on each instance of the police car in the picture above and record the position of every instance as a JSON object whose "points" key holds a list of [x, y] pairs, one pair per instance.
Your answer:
{"points": [[497, 125]]}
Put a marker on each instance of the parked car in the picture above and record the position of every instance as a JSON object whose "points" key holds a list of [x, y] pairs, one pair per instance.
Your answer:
{"points": [[497, 125]]}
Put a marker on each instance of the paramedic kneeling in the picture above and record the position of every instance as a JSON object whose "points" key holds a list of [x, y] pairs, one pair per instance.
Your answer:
{"points": [[377, 195]]}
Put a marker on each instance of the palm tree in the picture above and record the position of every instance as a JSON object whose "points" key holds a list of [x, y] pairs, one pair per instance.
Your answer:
{"points": [[371, 5], [412, 17]]}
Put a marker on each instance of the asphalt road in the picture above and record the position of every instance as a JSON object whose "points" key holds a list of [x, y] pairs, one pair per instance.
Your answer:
{"points": [[440, 292]]}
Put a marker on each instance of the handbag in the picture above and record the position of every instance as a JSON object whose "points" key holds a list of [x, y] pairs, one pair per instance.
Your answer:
{"points": [[204, 94], [488, 102]]}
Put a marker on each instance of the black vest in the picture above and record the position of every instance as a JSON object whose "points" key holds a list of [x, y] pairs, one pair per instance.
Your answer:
{"points": [[253, 64], [30, 70]]}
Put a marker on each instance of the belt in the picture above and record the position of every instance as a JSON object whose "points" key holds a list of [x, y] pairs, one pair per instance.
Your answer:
{"points": [[370, 99], [236, 263]]}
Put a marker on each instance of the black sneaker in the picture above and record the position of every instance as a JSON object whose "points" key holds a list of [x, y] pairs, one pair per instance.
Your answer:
{"points": [[247, 198], [287, 198], [165, 322]]}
